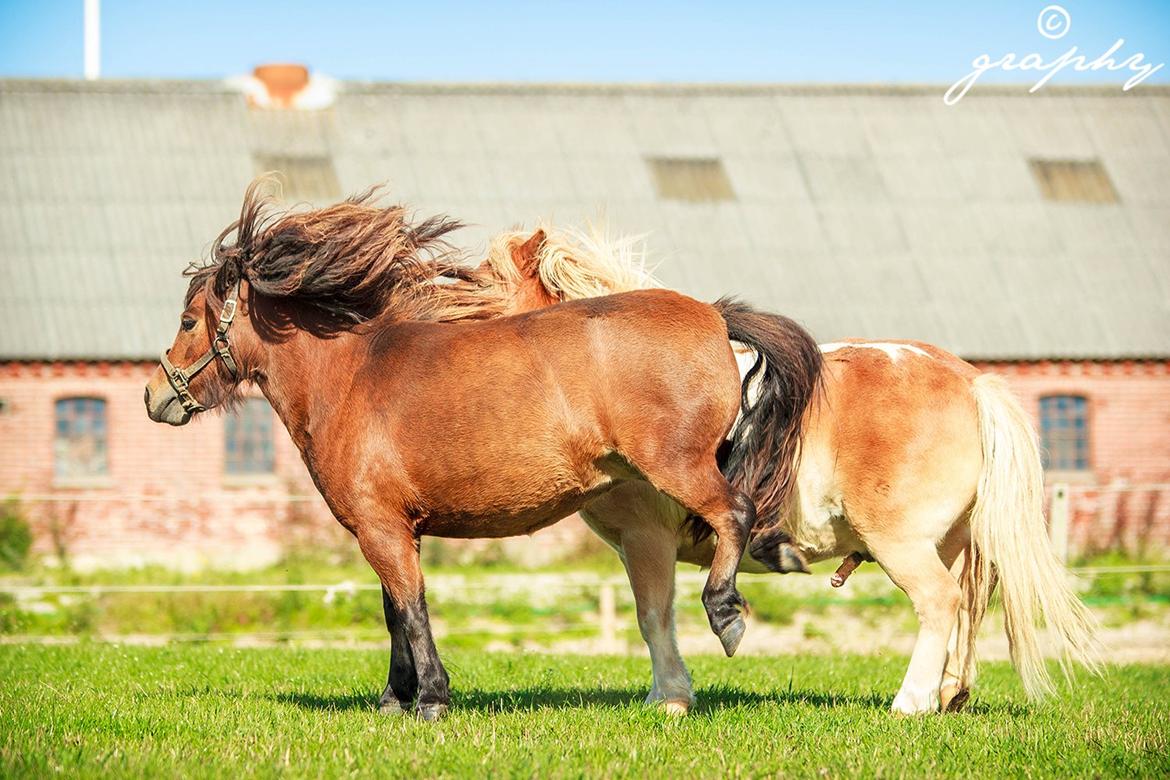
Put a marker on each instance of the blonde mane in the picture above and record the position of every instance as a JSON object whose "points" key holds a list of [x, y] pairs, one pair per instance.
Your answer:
{"points": [[575, 263]]}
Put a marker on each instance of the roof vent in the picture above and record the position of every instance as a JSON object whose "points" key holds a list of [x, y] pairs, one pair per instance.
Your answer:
{"points": [[285, 85]]}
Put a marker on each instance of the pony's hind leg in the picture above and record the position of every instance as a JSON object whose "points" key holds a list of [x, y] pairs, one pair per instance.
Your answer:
{"points": [[959, 671], [392, 551], [402, 680], [732, 516], [916, 568], [961, 667], [703, 491]]}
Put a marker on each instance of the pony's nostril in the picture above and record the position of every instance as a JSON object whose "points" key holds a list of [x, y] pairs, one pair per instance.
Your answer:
{"points": [[146, 397]]}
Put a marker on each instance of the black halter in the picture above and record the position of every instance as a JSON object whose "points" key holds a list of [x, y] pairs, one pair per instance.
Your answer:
{"points": [[180, 378]]}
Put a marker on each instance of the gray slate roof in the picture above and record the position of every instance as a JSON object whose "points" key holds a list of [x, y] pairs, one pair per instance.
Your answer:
{"points": [[861, 211]]}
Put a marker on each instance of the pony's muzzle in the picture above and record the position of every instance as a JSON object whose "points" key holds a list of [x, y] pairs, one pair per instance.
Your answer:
{"points": [[163, 407]]}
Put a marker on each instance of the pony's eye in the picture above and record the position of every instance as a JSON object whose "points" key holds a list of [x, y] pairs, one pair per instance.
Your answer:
{"points": [[188, 323]]}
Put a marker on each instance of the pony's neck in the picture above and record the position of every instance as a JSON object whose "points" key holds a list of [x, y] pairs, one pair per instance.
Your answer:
{"points": [[305, 378]]}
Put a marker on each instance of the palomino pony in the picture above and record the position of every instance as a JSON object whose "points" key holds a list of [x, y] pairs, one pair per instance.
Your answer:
{"points": [[418, 410], [911, 457]]}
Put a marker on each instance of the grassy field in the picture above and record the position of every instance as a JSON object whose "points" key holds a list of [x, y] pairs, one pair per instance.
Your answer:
{"points": [[209, 711]]}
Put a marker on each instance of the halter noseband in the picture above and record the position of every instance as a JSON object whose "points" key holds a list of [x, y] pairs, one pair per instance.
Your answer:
{"points": [[180, 378]]}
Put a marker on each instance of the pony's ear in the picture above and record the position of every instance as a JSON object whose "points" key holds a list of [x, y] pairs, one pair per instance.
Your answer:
{"points": [[526, 256]]}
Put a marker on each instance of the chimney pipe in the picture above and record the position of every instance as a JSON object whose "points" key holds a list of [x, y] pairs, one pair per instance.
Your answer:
{"points": [[93, 40], [283, 82]]}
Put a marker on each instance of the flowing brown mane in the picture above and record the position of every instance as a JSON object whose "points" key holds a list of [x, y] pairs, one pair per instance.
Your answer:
{"points": [[353, 261]]}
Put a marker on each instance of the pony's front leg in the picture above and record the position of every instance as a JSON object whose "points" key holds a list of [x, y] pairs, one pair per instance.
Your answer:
{"points": [[402, 680], [392, 551], [649, 553]]}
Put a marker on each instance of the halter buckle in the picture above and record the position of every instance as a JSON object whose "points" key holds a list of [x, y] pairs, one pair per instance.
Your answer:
{"points": [[228, 314]]}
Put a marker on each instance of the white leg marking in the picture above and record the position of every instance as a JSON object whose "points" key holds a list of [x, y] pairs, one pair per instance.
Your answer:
{"points": [[917, 570]]}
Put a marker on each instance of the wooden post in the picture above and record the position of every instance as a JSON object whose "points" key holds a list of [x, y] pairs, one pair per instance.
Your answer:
{"points": [[1058, 521], [607, 609]]}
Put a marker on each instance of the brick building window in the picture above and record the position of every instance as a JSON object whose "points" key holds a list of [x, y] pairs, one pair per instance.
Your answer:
{"points": [[1064, 432], [248, 445], [79, 440]]}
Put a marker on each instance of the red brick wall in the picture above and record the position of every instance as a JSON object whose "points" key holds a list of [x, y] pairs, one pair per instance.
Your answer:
{"points": [[168, 501], [1129, 411], [1129, 447]]}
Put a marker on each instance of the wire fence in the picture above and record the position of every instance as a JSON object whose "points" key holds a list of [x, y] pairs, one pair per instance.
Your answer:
{"points": [[607, 592], [501, 583], [603, 623]]}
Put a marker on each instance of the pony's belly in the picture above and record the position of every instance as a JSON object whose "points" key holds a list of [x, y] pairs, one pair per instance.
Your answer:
{"points": [[496, 522], [823, 531], [826, 535]]}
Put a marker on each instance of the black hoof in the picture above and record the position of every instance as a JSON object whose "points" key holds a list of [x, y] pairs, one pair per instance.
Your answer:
{"points": [[724, 615], [393, 708], [775, 550], [730, 637], [959, 700], [432, 712]]}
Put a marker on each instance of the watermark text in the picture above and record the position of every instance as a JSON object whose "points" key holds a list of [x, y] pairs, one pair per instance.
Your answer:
{"points": [[1054, 23]]}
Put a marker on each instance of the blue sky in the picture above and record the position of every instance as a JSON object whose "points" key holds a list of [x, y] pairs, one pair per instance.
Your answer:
{"points": [[423, 40]]}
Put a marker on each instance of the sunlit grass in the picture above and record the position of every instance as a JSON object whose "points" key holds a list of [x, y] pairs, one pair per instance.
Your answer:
{"points": [[210, 711]]}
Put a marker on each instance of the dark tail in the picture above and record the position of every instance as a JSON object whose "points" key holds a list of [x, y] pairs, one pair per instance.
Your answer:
{"points": [[765, 446]]}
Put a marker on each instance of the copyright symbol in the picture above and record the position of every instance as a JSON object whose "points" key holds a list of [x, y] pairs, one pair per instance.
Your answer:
{"points": [[1053, 22]]}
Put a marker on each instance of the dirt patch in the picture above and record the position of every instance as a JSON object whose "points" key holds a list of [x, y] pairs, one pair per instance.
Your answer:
{"points": [[848, 630]]}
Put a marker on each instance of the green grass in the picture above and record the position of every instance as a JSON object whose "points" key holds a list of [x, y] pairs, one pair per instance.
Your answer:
{"points": [[209, 711]]}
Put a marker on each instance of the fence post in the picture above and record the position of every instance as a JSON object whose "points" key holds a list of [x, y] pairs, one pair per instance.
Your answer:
{"points": [[1058, 521], [607, 609]]}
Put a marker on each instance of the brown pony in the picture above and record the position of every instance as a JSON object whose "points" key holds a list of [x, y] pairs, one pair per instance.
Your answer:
{"points": [[418, 410], [910, 457]]}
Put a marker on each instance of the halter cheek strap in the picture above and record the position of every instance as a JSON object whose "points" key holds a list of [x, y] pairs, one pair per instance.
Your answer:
{"points": [[180, 378]]}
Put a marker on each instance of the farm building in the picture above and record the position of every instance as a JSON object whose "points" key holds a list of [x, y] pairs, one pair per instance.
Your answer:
{"points": [[1029, 233]]}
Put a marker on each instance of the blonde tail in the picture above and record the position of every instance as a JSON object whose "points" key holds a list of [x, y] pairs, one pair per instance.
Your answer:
{"points": [[1010, 544]]}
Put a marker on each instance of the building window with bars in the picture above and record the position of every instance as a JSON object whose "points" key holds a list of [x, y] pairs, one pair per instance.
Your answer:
{"points": [[1064, 432], [248, 444], [79, 442]]}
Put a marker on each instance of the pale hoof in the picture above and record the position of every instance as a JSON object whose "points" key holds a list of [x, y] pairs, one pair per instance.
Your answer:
{"points": [[677, 704], [912, 703], [730, 637], [432, 712], [792, 560]]}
